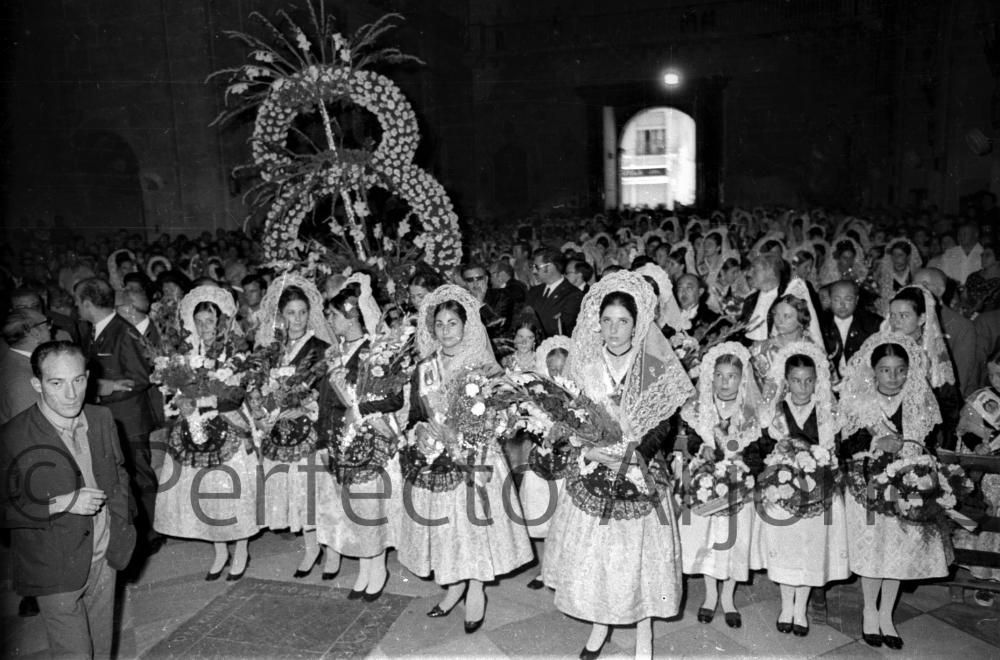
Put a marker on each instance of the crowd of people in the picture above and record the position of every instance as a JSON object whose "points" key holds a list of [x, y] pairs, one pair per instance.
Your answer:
{"points": [[716, 347]]}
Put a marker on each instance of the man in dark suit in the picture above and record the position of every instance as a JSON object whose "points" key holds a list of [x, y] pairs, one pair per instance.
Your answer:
{"points": [[502, 277], [695, 314], [555, 302], [769, 276], [23, 330], [119, 380], [137, 294], [65, 498], [847, 326], [497, 312]]}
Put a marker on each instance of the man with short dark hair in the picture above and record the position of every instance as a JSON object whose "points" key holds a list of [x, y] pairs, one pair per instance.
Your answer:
{"points": [[847, 326], [253, 287], [65, 498], [554, 301], [579, 274], [497, 308], [502, 276], [23, 330], [119, 377]]}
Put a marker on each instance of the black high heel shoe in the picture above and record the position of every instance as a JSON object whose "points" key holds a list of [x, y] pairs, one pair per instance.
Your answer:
{"points": [[705, 615], [536, 583], [233, 577], [734, 620], [473, 626], [212, 576], [587, 654], [893, 642], [784, 627], [800, 631], [437, 612], [356, 594], [372, 597], [299, 573], [872, 639]]}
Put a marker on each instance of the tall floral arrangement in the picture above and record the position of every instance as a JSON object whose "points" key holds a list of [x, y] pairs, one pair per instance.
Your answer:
{"points": [[301, 66]]}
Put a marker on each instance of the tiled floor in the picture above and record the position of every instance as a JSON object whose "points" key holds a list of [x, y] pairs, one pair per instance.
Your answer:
{"points": [[519, 622]]}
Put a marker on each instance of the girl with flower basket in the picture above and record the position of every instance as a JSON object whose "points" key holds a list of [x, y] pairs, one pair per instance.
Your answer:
{"points": [[722, 430], [456, 522], [209, 450], [886, 398], [292, 341], [613, 553], [800, 534], [359, 431]]}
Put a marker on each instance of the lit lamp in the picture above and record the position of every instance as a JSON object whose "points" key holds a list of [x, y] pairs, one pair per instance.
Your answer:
{"points": [[672, 78]]}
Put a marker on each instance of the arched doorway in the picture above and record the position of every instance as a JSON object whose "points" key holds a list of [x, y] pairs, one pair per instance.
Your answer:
{"points": [[658, 159], [106, 174]]}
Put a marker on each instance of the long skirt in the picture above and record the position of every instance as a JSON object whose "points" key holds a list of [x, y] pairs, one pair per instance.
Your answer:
{"points": [[614, 572], [459, 535], [718, 546], [188, 503], [882, 546], [291, 493], [357, 520], [539, 498], [801, 551]]}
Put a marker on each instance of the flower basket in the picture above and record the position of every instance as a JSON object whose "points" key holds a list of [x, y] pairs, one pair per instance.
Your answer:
{"points": [[717, 488], [799, 478]]}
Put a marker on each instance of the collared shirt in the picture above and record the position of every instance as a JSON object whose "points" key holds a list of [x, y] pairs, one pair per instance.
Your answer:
{"points": [[843, 327], [103, 323], [958, 265], [142, 326], [73, 433], [759, 317], [552, 287]]}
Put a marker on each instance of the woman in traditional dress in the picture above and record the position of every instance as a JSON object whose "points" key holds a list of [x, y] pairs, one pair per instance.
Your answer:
{"points": [[804, 549], [210, 454], [901, 262], [913, 312], [289, 448], [886, 399], [614, 555], [364, 531], [525, 341], [721, 422], [792, 318], [443, 530]]}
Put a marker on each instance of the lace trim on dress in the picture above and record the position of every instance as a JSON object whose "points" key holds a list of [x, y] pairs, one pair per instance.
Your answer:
{"points": [[439, 476], [608, 496], [364, 460], [223, 440], [290, 440]]}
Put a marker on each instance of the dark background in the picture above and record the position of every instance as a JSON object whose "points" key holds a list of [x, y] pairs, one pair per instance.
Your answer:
{"points": [[858, 104]]}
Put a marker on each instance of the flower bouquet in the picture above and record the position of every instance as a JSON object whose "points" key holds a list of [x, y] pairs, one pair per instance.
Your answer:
{"points": [[196, 389], [717, 488], [915, 489], [472, 418], [799, 478], [365, 446]]}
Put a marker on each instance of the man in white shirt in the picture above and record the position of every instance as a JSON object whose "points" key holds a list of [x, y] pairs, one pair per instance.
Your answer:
{"points": [[847, 326], [965, 258]]}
